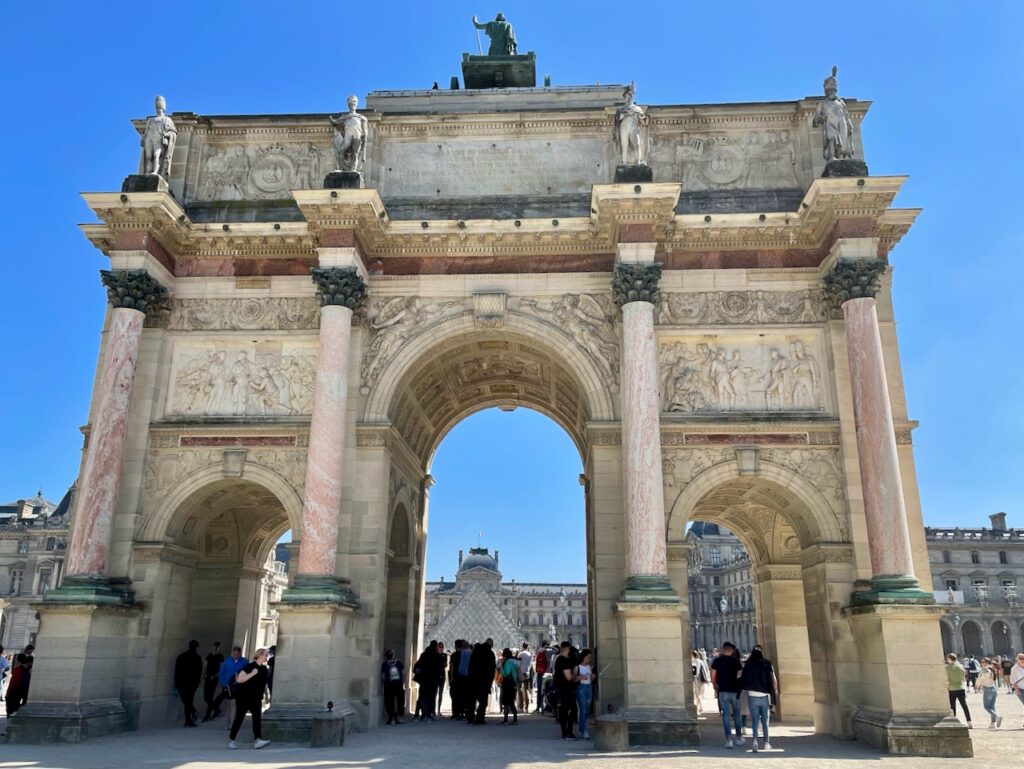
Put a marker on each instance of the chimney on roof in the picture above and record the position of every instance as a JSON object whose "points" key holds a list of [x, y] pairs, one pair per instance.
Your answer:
{"points": [[998, 521]]}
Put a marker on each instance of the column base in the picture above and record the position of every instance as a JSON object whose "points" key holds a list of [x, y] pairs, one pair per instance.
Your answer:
{"points": [[643, 588], [76, 589], [890, 589], [41, 723], [937, 734], [314, 724], [615, 733], [319, 588]]}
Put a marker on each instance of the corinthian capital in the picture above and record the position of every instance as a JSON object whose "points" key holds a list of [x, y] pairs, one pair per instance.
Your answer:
{"points": [[853, 279], [635, 283], [133, 289], [339, 286]]}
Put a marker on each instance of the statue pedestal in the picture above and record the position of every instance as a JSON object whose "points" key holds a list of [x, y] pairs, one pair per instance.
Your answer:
{"points": [[499, 71], [344, 180], [845, 167], [635, 172], [143, 183]]}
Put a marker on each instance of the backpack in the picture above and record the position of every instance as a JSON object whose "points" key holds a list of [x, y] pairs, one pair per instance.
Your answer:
{"points": [[393, 672]]}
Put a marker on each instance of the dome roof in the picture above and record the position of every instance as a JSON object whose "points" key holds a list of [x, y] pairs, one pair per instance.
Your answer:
{"points": [[478, 558]]}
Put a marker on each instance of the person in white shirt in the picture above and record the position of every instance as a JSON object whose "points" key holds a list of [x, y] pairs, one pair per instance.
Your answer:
{"points": [[525, 681], [1017, 678]]}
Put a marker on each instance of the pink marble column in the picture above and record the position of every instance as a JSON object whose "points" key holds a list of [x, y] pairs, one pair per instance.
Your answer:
{"points": [[341, 292], [888, 534], [635, 289], [131, 293], [318, 549]]}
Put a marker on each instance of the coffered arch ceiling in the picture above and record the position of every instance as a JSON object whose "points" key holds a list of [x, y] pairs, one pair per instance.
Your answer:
{"points": [[475, 372]]}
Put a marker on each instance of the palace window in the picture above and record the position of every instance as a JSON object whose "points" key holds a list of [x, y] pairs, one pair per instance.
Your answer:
{"points": [[951, 584], [22, 546], [975, 556], [715, 581], [45, 575], [946, 557], [51, 543], [1002, 556], [715, 556]]}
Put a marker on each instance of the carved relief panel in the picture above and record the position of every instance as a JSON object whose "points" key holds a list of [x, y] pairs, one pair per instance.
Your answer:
{"points": [[242, 378], [741, 372], [260, 171]]}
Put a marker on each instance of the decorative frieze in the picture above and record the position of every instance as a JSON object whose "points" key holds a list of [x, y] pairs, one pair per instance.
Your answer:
{"points": [[720, 308], [635, 283], [251, 314]]}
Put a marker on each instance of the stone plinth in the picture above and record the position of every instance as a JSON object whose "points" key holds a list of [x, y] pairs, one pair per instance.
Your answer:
{"points": [[143, 183], [499, 71], [633, 173], [845, 167], [329, 729], [344, 180]]}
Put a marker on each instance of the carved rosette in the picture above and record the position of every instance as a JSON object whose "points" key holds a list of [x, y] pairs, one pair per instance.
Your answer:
{"points": [[853, 279], [339, 286], [133, 289], [635, 283]]}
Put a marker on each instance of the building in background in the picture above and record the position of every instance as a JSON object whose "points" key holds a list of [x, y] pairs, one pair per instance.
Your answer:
{"points": [[977, 575], [33, 541], [479, 605], [721, 588]]}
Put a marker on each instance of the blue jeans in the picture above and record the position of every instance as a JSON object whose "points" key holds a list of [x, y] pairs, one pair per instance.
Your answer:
{"points": [[584, 699], [729, 701], [988, 699], [759, 713]]}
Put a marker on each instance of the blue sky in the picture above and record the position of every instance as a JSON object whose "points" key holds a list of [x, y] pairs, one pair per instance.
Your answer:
{"points": [[939, 73]]}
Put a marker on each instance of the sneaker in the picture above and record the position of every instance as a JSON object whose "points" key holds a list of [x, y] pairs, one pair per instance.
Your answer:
{"points": [[991, 724], [728, 743], [999, 722], [261, 744], [970, 725], [767, 745], [232, 745], [753, 746]]}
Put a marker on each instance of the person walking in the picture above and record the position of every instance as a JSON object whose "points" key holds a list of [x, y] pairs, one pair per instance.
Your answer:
{"points": [[565, 683], [250, 685], [540, 668], [955, 677], [392, 677], [509, 685], [1007, 665], [989, 686], [725, 677], [759, 682], [225, 677], [972, 668], [701, 677], [525, 682], [210, 682], [188, 673], [585, 690], [1016, 678], [481, 677]]}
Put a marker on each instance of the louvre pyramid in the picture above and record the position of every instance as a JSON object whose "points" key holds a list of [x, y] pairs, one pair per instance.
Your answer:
{"points": [[475, 617]]}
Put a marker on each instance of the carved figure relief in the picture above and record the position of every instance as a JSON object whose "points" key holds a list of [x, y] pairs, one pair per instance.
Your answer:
{"points": [[243, 379], [757, 160], [712, 374], [741, 307], [588, 319], [247, 172], [683, 465], [391, 322], [270, 314]]}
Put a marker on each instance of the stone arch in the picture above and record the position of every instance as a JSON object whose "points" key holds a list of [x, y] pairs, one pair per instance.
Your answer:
{"points": [[810, 514], [170, 515], [592, 382], [1002, 640], [972, 638]]}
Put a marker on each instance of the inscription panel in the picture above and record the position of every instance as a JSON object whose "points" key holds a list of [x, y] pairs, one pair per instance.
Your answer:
{"points": [[505, 167]]}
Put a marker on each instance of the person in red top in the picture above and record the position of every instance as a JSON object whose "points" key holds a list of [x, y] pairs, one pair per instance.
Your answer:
{"points": [[541, 666]]}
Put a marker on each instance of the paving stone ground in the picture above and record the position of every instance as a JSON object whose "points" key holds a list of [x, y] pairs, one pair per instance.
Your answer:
{"points": [[533, 744]]}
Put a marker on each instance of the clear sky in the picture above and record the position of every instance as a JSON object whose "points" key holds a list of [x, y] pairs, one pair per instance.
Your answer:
{"points": [[939, 73]]}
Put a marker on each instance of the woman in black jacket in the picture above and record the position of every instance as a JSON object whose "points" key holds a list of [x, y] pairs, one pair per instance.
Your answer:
{"points": [[759, 682], [428, 673]]}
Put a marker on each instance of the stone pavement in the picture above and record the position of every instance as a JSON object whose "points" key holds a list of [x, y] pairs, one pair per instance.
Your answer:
{"points": [[534, 743]]}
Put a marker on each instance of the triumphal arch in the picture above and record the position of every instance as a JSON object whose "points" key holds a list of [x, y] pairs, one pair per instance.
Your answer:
{"points": [[301, 306]]}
